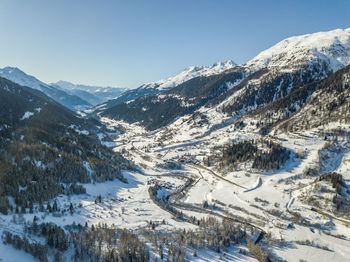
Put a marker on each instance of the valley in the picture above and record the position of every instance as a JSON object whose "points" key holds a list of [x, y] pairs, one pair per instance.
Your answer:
{"points": [[270, 201], [229, 162]]}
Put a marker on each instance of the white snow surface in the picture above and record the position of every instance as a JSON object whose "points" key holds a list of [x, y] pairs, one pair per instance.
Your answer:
{"points": [[332, 47], [27, 115], [189, 73], [76, 129], [280, 189], [10, 254], [92, 89], [129, 205], [19, 77]]}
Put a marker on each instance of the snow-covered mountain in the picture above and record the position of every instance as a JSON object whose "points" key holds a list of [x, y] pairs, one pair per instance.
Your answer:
{"points": [[169, 83], [271, 75], [93, 94], [19, 77], [92, 89], [287, 66], [288, 105], [189, 73], [332, 48], [250, 163]]}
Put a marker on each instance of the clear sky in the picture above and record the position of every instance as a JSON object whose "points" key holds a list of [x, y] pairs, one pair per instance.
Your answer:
{"points": [[126, 43]]}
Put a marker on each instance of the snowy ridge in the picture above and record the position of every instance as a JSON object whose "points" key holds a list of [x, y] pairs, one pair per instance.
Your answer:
{"points": [[163, 85], [189, 73], [332, 47], [92, 89], [308, 58], [92, 94], [19, 77]]}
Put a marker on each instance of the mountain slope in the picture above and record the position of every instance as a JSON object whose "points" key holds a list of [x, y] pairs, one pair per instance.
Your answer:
{"points": [[273, 74], [331, 48], [330, 103], [43, 145], [19, 77], [318, 103], [169, 83], [290, 64], [154, 111]]}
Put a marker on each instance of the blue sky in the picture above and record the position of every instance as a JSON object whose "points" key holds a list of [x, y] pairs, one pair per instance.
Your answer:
{"points": [[126, 43]]}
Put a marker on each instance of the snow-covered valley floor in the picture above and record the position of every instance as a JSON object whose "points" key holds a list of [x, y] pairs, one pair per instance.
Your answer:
{"points": [[273, 202]]}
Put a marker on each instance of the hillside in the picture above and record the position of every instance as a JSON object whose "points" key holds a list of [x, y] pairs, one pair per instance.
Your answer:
{"points": [[327, 49], [68, 100], [330, 103], [46, 146], [167, 84], [246, 87], [245, 162], [287, 66], [154, 111], [310, 106]]}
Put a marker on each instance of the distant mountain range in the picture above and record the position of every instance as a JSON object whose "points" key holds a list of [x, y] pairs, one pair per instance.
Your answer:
{"points": [[19, 77], [231, 89], [92, 94], [75, 97], [52, 144], [79, 97], [169, 83], [237, 89]]}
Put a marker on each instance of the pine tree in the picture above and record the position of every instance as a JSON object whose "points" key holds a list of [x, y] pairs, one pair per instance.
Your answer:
{"points": [[48, 207], [71, 208], [31, 207], [55, 206], [41, 206]]}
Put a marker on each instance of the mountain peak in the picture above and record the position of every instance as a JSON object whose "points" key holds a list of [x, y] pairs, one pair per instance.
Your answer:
{"points": [[332, 47], [217, 66], [14, 71], [19, 77], [227, 63], [10, 70], [189, 73], [16, 75]]}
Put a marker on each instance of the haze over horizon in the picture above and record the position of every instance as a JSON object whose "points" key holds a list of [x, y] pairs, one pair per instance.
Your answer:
{"points": [[125, 44]]}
